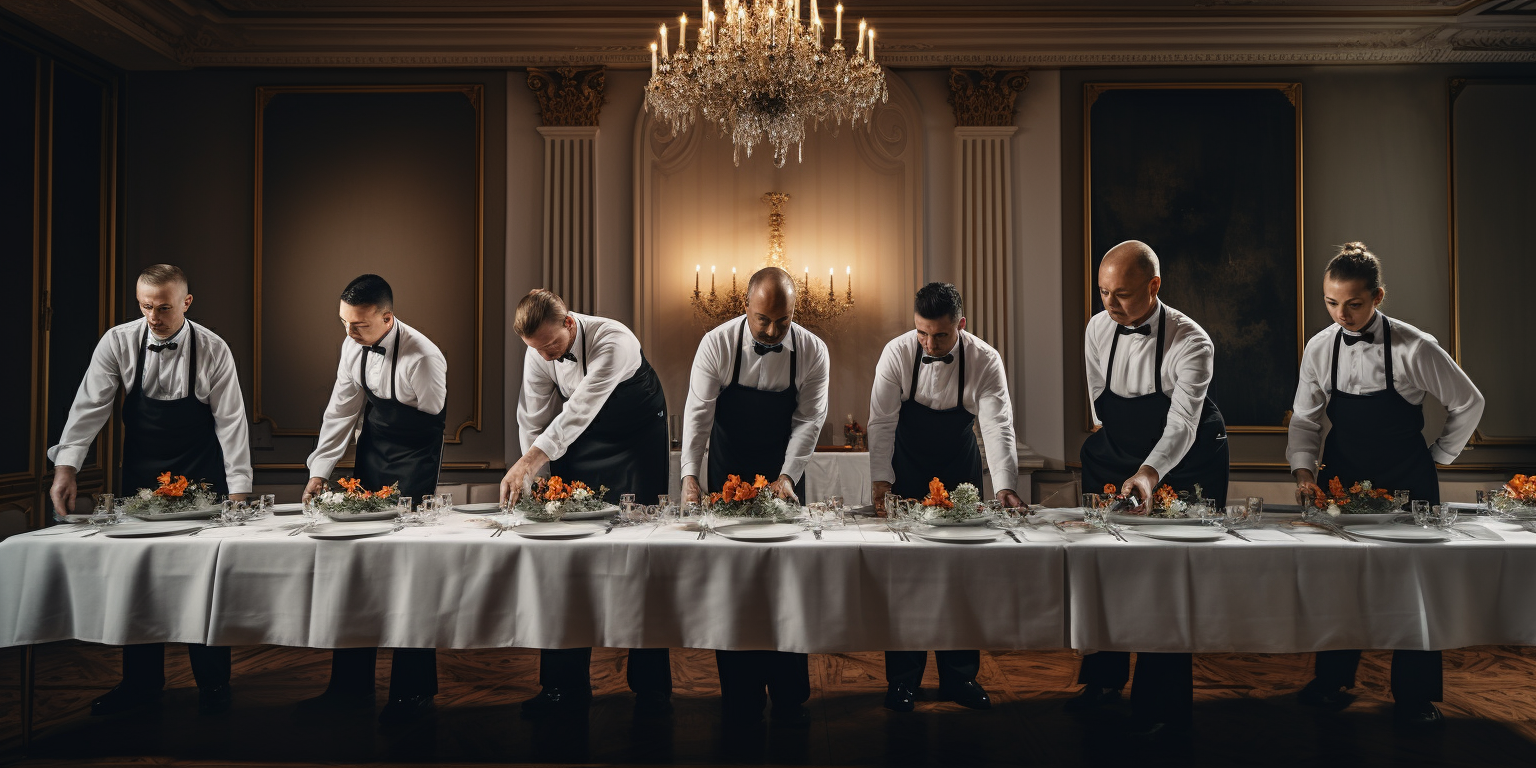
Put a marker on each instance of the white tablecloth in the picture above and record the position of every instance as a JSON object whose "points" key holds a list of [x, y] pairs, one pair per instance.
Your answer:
{"points": [[830, 473]]}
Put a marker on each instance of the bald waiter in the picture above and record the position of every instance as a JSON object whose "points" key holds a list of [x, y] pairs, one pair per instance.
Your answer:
{"points": [[592, 409], [758, 396], [1149, 369], [182, 413]]}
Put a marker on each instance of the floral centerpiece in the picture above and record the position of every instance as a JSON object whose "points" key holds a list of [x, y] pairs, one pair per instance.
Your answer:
{"points": [[174, 495], [553, 498], [354, 499], [1168, 504], [739, 499], [1360, 499], [1517, 497], [943, 507]]}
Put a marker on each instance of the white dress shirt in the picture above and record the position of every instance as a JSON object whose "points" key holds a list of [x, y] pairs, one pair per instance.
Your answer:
{"points": [[543, 420], [1419, 366], [114, 366], [1188, 364], [986, 397], [420, 382], [712, 374]]}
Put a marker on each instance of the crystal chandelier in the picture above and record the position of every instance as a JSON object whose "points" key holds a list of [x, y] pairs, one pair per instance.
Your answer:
{"points": [[819, 310], [760, 73]]}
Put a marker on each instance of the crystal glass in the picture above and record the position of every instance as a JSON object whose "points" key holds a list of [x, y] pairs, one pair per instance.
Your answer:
{"points": [[1093, 508], [1442, 516], [444, 502], [102, 516], [992, 507], [664, 500], [835, 503], [1255, 505], [268, 501], [1420, 511], [1233, 516], [1212, 515], [119, 510], [313, 511], [689, 512], [232, 512], [627, 498], [1400, 500]]}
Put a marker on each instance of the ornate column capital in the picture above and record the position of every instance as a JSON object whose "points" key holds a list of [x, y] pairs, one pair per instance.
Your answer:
{"points": [[985, 96], [568, 95]]}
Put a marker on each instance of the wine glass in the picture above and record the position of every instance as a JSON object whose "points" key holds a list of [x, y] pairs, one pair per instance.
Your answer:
{"points": [[1443, 516], [1421, 512], [1255, 506], [1093, 508]]}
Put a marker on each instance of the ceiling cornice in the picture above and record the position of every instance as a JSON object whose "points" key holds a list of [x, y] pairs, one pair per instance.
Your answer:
{"points": [[168, 34]]}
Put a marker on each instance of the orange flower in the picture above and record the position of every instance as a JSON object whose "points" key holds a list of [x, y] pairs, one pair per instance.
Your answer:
{"points": [[168, 488], [1381, 493], [165, 478], [1521, 488], [1355, 488], [1335, 488], [1110, 488], [937, 496], [556, 489], [1321, 500], [351, 484], [1164, 497]]}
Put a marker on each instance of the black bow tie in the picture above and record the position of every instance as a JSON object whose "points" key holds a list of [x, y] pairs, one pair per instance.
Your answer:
{"points": [[159, 347], [947, 359], [1365, 336], [377, 349], [1143, 330], [566, 358], [763, 349]]}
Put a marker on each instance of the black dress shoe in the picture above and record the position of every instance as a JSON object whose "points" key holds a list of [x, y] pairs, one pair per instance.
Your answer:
{"points": [[968, 694], [899, 698], [406, 709], [215, 700], [1330, 697], [1417, 715], [335, 703], [552, 701], [653, 706], [791, 716], [1092, 697], [123, 698]]}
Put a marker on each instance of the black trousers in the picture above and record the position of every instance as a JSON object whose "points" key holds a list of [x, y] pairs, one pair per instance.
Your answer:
{"points": [[414, 672], [144, 665], [1165, 682], [955, 667], [1416, 675], [650, 669], [749, 678]]}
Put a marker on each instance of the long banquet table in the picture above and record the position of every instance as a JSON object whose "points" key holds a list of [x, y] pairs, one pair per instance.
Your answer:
{"points": [[859, 588]]}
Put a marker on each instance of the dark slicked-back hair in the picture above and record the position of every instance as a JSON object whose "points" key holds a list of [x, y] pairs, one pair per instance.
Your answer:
{"points": [[936, 300], [369, 291], [1356, 262]]}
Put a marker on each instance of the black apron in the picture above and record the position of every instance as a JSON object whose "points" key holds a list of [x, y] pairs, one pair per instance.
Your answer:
{"points": [[752, 427], [625, 445], [399, 443], [1377, 436], [934, 443], [1132, 427], [177, 436]]}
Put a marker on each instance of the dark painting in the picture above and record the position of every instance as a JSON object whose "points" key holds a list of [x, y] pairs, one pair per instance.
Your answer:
{"points": [[1208, 177]]}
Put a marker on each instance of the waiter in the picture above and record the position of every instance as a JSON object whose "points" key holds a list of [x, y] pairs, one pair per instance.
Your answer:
{"points": [[758, 395], [592, 408], [1368, 374], [397, 379], [931, 386], [182, 413], [1149, 368]]}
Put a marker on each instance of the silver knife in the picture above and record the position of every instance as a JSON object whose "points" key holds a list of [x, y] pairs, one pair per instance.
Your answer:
{"points": [[1013, 536], [1115, 532], [1239, 535], [1340, 532], [818, 534], [609, 529]]}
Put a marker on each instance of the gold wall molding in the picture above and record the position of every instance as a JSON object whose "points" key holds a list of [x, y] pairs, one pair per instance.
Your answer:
{"points": [[569, 95], [987, 95]]}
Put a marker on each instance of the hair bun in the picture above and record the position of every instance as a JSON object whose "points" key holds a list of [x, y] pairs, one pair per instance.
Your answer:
{"points": [[1355, 248]]}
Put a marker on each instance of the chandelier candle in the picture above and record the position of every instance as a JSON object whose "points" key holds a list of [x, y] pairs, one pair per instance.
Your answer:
{"points": [[839, 21], [858, 49]]}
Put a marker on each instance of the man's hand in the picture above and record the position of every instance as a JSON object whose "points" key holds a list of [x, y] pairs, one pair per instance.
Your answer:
{"points": [[1306, 488], [877, 495], [63, 492], [691, 492], [783, 488], [1009, 499], [518, 476], [1142, 483], [315, 487]]}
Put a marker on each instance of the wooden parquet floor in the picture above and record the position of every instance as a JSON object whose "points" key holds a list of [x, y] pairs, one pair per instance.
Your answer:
{"points": [[1245, 711]]}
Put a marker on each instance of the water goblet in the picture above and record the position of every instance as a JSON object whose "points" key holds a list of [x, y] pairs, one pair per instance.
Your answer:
{"points": [[1443, 516], [1399, 500], [101, 516], [1232, 516], [664, 500], [268, 503], [1212, 515], [1092, 507], [119, 510], [626, 498], [1420, 511], [1255, 506]]}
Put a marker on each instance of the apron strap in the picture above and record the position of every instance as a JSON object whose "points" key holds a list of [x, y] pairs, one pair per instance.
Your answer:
{"points": [[736, 366], [1333, 388], [1109, 367], [792, 353], [1157, 367], [582, 332], [1386, 349], [960, 397], [138, 385], [394, 364], [192, 360], [917, 363]]}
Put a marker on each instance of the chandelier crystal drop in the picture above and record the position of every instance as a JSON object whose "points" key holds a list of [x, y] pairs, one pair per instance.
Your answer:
{"points": [[760, 73]]}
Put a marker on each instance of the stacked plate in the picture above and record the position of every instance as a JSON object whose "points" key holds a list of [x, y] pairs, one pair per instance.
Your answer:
{"points": [[1119, 519], [363, 517], [1398, 532], [1179, 532], [488, 508], [593, 514], [144, 530], [954, 535], [350, 530], [187, 514], [760, 532], [560, 530]]}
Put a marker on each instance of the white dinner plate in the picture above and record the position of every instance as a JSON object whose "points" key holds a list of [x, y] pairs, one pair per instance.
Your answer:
{"points": [[287, 509], [190, 514], [349, 530], [1179, 532], [1369, 519], [969, 521], [488, 508], [594, 514], [1120, 519], [959, 535], [1397, 532], [363, 517], [555, 530], [141, 530], [767, 532]]}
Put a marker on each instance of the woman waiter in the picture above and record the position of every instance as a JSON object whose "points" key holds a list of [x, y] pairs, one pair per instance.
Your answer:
{"points": [[592, 408], [1369, 373]]}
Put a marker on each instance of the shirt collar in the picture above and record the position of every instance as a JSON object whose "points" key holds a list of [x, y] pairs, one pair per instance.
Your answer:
{"points": [[394, 331], [1157, 305], [152, 339], [747, 338], [1373, 327]]}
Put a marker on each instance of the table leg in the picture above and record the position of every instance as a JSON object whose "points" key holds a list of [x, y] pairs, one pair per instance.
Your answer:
{"points": [[28, 688]]}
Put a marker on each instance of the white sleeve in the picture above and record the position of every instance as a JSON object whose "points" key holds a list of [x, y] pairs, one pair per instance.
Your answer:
{"points": [[341, 412], [429, 381], [92, 406], [221, 388], [1436, 373], [606, 369], [994, 412], [810, 413], [1092, 361], [537, 403], [884, 410], [704, 385], [1304, 436], [1192, 372]]}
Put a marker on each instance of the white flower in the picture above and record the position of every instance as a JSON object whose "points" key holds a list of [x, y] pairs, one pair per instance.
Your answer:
{"points": [[1334, 511], [146, 494], [581, 494], [1178, 506], [551, 507]]}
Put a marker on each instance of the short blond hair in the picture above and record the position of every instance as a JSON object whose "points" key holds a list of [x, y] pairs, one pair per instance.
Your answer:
{"points": [[540, 306], [156, 275]]}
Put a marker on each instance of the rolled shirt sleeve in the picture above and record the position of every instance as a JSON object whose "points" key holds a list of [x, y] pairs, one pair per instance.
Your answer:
{"points": [[705, 382], [1436, 373], [221, 391], [92, 405], [884, 412], [1191, 374], [340, 415], [811, 410], [994, 414], [1304, 436], [537, 403]]}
